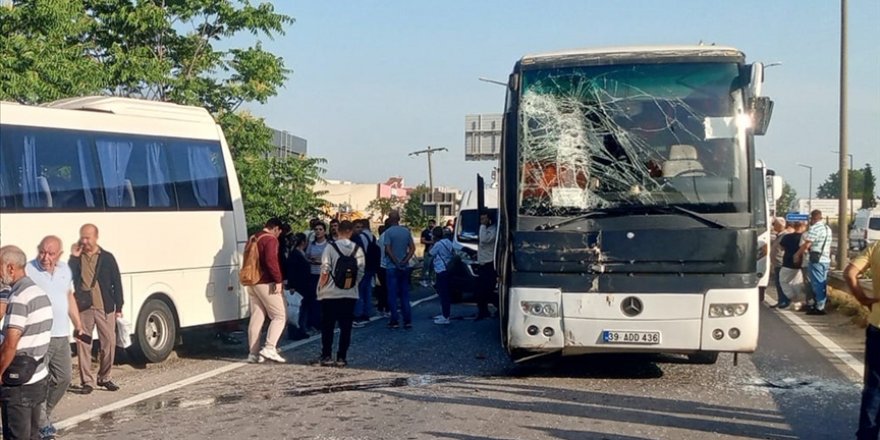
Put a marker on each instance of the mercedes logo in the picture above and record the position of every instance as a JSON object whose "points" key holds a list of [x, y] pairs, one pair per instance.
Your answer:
{"points": [[631, 306]]}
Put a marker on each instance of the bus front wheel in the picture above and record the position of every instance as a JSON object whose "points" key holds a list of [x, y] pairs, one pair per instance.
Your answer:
{"points": [[156, 332], [703, 357]]}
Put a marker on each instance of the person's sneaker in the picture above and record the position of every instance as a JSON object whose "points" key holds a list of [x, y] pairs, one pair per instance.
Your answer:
{"points": [[255, 359], [109, 385], [358, 324], [272, 355], [393, 324], [341, 363], [48, 433], [441, 320], [435, 317], [817, 312], [781, 306], [407, 325], [86, 389], [326, 361]]}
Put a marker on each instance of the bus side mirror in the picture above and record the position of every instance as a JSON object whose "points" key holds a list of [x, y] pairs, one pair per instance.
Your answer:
{"points": [[761, 108]]}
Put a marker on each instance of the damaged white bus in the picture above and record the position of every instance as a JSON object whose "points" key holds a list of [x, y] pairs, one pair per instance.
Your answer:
{"points": [[628, 217]]}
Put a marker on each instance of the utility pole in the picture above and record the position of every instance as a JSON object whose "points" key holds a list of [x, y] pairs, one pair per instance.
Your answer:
{"points": [[430, 152], [842, 232]]}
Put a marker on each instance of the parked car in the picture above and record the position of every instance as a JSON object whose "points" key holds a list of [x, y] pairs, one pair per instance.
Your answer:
{"points": [[865, 228]]}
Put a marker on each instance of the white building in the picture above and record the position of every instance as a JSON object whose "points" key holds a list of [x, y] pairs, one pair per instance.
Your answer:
{"points": [[829, 207]]}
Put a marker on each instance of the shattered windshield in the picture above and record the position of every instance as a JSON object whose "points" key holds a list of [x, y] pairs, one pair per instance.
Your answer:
{"points": [[637, 135]]}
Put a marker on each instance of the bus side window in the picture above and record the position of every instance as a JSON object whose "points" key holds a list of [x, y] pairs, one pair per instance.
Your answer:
{"points": [[199, 175]]}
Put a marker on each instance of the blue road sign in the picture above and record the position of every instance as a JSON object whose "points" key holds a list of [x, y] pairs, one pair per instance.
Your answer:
{"points": [[796, 217]]}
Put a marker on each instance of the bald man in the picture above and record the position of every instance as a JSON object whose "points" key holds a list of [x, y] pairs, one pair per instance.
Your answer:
{"points": [[96, 279], [55, 278]]}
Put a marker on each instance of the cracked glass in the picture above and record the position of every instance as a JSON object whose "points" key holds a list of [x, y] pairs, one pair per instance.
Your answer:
{"points": [[626, 136]]}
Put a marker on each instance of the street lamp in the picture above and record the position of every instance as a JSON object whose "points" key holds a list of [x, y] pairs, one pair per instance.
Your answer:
{"points": [[810, 192], [492, 81], [850, 187]]}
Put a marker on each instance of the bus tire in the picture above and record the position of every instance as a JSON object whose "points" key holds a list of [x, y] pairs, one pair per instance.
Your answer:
{"points": [[703, 357], [155, 333]]}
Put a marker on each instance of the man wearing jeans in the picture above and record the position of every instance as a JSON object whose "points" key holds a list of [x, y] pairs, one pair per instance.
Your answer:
{"points": [[869, 415], [55, 278], [25, 336], [816, 251], [399, 249]]}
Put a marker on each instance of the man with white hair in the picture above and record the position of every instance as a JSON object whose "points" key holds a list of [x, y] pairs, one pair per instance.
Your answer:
{"points": [[27, 331], [55, 278]]}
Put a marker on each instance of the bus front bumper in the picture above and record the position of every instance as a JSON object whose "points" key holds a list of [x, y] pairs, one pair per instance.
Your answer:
{"points": [[547, 320]]}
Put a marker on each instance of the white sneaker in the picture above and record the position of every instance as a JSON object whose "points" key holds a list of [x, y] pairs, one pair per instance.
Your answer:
{"points": [[255, 359], [272, 355], [436, 317], [441, 321]]}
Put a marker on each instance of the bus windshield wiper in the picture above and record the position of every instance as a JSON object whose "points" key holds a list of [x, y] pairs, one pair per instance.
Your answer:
{"points": [[634, 210], [557, 225], [695, 215]]}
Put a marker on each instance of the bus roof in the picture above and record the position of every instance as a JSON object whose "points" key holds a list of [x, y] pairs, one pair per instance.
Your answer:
{"points": [[134, 107], [633, 52]]}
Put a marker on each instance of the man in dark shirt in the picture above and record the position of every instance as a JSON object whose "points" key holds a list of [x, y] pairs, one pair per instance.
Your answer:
{"points": [[789, 243], [427, 241], [96, 274]]}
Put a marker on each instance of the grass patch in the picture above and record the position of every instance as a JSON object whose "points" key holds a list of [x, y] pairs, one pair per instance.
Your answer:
{"points": [[840, 300]]}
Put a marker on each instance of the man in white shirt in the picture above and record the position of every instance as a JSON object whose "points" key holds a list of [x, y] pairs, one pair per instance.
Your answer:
{"points": [[486, 260], [55, 278]]}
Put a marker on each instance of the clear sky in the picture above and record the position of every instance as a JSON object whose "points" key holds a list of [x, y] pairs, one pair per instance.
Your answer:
{"points": [[375, 80]]}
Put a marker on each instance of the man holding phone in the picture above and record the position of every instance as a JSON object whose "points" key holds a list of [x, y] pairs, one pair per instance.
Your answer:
{"points": [[55, 278], [97, 285]]}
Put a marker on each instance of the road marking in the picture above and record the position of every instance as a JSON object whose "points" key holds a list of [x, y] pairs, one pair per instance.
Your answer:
{"points": [[98, 412], [829, 345]]}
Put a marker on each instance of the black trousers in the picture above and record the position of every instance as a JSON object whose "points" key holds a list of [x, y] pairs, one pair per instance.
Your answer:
{"points": [[333, 311], [20, 407], [487, 278], [380, 292]]}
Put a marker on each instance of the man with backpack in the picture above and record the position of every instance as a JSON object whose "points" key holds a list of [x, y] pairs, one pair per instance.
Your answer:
{"points": [[364, 238], [261, 274], [342, 268]]}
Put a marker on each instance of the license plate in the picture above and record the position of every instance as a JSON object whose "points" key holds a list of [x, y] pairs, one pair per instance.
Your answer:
{"points": [[629, 337]]}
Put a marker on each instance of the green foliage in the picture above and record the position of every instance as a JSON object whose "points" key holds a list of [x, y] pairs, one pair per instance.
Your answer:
{"points": [[171, 50], [869, 200], [384, 206], [44, 52], [830, 189], [413, 214], [785, 202]]}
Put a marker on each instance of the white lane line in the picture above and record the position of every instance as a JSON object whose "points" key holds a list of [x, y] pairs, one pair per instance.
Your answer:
{"points": [[98, 412], [829, 345]]}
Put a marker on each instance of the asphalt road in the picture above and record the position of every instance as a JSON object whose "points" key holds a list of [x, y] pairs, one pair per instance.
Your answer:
{"points": [[455, 382]]}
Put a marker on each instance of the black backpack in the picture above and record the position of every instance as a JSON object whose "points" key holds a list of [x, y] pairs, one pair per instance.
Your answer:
{"points": [[345, 271], [372, 254]]}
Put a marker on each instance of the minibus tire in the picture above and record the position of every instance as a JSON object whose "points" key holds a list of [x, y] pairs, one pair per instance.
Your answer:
{"points": [[703, 357], [155, 333]]}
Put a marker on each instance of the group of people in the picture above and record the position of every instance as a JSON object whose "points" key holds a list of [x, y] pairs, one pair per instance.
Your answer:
{"points": [[801, 256], [39, 299], [337, 269]]}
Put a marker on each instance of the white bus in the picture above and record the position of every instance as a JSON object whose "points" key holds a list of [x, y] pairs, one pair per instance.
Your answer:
{"points": [[157, 180], [628, 217]]}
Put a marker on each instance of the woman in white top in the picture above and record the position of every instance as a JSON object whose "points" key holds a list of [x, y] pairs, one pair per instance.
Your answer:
{"points": [[314, 252], [442, 253]]}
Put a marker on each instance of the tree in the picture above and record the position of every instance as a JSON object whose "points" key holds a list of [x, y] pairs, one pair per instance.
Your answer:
{"points": [[786, 200], [413, 214], [830, 189], [868, 198], [173, 51], [384, 206]]}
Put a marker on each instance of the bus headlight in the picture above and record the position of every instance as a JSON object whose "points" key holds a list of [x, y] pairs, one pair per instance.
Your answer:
{"points": [[726, 310], [540, 308]]}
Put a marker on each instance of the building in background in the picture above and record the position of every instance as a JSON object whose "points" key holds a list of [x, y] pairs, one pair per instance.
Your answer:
{"points": [[287, 145], [829, 207], [442, 204]]}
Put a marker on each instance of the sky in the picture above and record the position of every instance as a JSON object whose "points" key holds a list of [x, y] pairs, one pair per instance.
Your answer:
{"points": [[373, 81]]}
